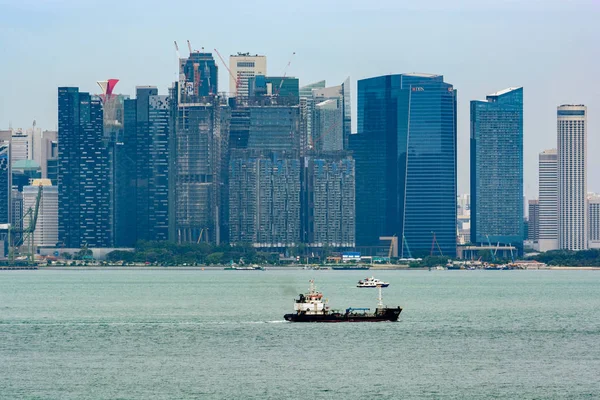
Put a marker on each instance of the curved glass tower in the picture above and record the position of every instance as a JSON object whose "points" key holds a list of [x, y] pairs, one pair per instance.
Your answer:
{"points": [[405, 153]]}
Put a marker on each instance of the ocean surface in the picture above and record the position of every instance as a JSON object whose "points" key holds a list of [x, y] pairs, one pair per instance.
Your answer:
{"points": [[105, 334]]}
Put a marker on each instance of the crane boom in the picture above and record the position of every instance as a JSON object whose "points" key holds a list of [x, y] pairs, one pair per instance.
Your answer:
{"points": [[189, 47], [27, 232], [285, 70], [236, 79]]}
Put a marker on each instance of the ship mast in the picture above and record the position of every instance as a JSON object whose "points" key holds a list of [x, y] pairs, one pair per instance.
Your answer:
{"points": [[380, 298]]}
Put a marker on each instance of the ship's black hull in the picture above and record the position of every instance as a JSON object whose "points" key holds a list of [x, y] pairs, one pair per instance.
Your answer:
{"points": [[384, 314]]}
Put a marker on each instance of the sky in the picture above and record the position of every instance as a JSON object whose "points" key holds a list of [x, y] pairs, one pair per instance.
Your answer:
{"points": [[550, 47]]}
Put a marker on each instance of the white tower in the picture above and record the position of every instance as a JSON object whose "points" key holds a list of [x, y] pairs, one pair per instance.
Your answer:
{"points": [[572, 177], [243, 66], [548, 201]]}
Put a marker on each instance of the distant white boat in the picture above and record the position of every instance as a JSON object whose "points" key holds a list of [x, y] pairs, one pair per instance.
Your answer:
{"points": [[371, 282]]}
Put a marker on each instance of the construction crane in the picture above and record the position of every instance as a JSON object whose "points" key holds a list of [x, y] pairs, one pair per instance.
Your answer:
{"points": [[392, 242], [405, 243], [393, 250], [27, 233], [189, 47], [176, 49], [433, 243], [285, 70], [236, 79]]}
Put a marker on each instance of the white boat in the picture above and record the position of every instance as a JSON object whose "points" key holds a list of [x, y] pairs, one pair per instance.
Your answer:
{"points": [[371, 282]]}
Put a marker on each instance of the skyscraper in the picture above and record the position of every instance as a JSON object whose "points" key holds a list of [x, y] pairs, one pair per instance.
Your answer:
{"points": [[264, 198], [142, 176], [328, 211], [46, 231], [572, 177], [244, 66], [199, 128], [326, 116], [83, 171], [497, 168], [593, 221], [5, 183], [21, 146], [405, 153], [533, 232], [199, 74], [548, 199]]}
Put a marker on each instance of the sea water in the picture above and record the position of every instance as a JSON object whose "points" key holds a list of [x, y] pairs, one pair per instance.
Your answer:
{"points": [[165, 334]]}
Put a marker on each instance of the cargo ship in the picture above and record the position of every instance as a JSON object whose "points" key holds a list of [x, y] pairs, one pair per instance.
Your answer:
{"points": [[311, 307]]}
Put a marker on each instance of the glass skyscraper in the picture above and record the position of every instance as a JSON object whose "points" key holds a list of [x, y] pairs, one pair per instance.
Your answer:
{"points": [[142, 184], [83, 171], [405, 153], [497, 168]]}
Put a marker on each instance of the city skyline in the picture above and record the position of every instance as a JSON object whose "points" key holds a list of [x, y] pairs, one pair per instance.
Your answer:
{"points": [[148, 57]]}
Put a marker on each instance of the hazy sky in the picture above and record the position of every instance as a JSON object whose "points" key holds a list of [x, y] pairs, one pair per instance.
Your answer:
{"points": [[550, 47]]}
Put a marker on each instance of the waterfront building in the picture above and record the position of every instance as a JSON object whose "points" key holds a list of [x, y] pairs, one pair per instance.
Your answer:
{"points": [[405, 153], [328, 200], [533, 231], [548, 200], [264, 198], [572, 177], [593, 207], [142, 172], [199, 131], [5, 183], [46, 231], [244, 66], [497, 168], [83, 171]]}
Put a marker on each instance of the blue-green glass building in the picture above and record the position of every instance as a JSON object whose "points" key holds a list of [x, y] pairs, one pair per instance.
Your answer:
{"points": [[497, 168], [405, 152]]}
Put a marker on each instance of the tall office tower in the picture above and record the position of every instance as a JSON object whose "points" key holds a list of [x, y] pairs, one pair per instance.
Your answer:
{"points": [[572, 177], [21, 146], [5, 183], [548, 199], [593, 207], [243, 66], [142, 174], [83, 173], [197, 146], [405, 153], [264, 198], [264, 165], [45, 148], [46, 231], [328, 197], [326, 116], [307, 105], [533, 232], [199, 76], [497, 168]]}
